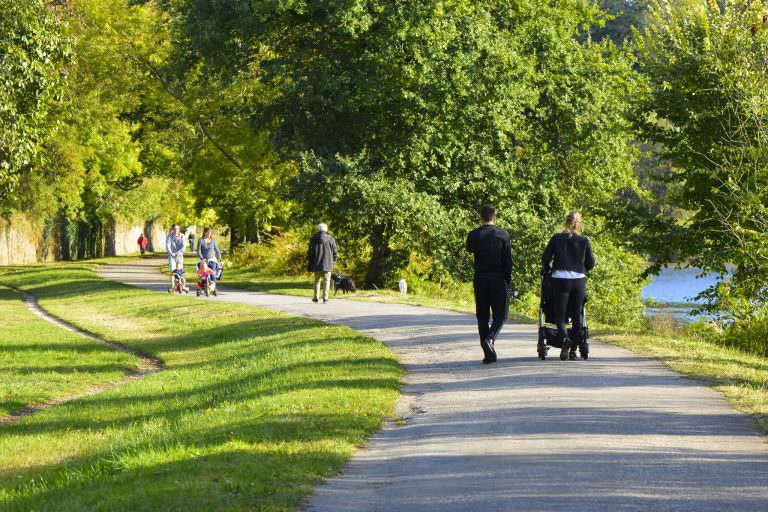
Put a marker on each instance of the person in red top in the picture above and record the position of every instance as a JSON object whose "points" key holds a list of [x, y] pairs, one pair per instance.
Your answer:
{"points": [[203, 272], [142, 243]]}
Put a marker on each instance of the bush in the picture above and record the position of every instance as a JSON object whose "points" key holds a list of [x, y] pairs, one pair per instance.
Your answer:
{"points": [[283, 254], [615, 287], [427, 277], [751, 336]]}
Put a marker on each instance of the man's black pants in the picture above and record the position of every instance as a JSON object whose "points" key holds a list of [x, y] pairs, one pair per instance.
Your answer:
{"points": [[491, 295]]}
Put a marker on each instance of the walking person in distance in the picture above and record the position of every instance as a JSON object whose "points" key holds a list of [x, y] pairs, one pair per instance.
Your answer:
{"points": [[142, 241], [568, 257], [321, 257], [492, 251]]}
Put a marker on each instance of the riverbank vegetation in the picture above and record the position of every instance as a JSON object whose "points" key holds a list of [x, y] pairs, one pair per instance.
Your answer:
{"points": [[393, 122], [242, 416]]}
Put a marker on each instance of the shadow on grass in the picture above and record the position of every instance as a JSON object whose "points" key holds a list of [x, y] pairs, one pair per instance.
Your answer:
{"points": [[216, 473], [282, 386]]}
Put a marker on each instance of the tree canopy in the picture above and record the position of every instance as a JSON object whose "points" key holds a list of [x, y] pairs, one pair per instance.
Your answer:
{"points": [[395, 121], [33, 57]]}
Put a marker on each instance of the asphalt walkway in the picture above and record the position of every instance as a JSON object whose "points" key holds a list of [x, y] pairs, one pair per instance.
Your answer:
{"points": [[616, 433]]}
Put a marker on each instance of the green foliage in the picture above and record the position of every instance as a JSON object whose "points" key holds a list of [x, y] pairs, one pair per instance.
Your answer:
{"points": [[614, 287], [284, 254], [33, 57], [430, 108], [749, 336], [708, 112]]}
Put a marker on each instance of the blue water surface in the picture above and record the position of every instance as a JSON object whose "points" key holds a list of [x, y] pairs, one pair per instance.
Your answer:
{"points": [[677, 285]]}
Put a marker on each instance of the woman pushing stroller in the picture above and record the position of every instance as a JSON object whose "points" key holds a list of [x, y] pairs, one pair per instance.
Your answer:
{"points": [[208, 251], [566, 260]]}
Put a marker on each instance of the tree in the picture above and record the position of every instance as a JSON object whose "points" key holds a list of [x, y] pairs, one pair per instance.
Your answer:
{"points": [[708, 111], [33, 59], [448, 103]]}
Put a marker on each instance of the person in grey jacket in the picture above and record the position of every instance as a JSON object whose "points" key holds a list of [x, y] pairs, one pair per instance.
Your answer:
{"points": [[321, 257], [208, 250]]}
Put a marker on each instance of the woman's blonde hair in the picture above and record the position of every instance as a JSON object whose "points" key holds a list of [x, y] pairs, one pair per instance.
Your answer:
{"points": [[573, 223]]}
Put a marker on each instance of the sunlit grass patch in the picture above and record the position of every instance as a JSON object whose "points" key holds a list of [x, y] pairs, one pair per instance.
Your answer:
{"points": [[252, 409], [40, 362]]}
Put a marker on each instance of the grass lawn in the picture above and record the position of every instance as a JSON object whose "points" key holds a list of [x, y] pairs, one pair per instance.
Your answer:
{"points": [[252, 409], [741, 376], [40, 362]]}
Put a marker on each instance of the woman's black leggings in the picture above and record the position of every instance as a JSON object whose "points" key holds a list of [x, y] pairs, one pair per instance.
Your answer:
{"points": [[567, 299]]}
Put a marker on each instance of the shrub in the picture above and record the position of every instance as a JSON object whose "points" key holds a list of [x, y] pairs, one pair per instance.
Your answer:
{"points": [[751, 335], [615, 287], [281, 255], [427, 277]]}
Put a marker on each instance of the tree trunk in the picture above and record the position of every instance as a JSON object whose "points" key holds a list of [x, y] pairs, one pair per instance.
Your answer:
{"points": [[64, 238], [379, 257], [251, 229], [148, 229], [234, 238]]}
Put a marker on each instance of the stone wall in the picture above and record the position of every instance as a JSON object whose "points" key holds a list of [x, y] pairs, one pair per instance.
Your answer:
{"points": [[24, 241]]}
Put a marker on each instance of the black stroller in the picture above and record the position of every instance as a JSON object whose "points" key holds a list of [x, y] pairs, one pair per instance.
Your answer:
{"points": [[548, 335]]}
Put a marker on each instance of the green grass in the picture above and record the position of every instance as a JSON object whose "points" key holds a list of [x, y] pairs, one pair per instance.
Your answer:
{"points": [[40, 362], [741, 376], [252, 410]]}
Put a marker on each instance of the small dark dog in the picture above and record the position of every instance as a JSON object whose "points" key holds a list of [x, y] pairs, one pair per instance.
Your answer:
{"points": [[343, 283]]}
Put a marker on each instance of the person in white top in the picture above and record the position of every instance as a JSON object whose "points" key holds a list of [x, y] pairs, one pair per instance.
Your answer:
{"points": [[567, 259]]}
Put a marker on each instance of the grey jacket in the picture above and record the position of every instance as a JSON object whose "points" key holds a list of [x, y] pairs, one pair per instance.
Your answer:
{"points": [[208, 251], [174, 244], [322, 252]]}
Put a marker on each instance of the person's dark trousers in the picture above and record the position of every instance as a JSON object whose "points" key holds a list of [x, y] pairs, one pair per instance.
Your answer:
{"points": [[567, 299], [491, 296]]}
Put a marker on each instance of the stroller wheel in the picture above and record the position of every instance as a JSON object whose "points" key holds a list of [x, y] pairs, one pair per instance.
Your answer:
{"points": [[584, 350], [541, 348]]}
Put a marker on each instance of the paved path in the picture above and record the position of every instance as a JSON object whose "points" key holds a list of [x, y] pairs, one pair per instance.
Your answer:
{"points": [[616, 433]]}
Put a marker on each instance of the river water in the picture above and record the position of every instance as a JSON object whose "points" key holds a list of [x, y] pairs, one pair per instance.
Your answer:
{"points": [[675, 289]]}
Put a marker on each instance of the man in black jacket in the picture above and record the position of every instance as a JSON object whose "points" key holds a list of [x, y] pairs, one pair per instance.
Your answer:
{"points": [[493, 273], [321, 256]]}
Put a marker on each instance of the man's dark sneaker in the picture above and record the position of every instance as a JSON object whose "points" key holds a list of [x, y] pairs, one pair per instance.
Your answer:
{"points": [[565, 350], [489, 351], [572, 355], [314, 300], [325, 301]]}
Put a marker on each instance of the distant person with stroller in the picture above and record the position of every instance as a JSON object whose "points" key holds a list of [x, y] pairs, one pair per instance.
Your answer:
{"points": [[208, 251], [567, 259], [492, 251], [175, 244], [321, 257], [142, 241]]}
